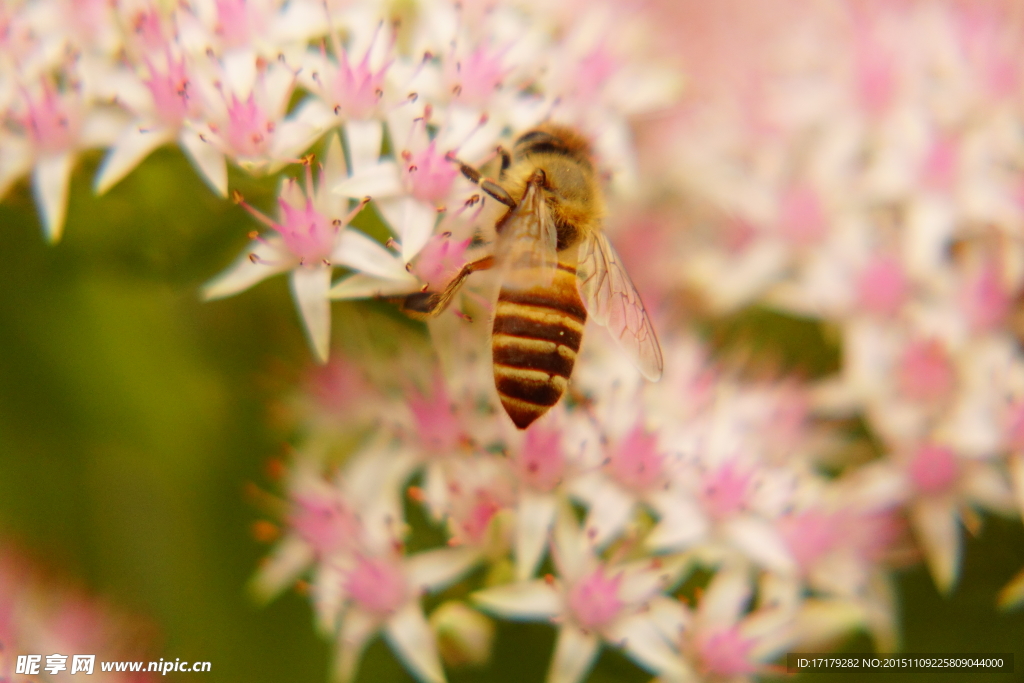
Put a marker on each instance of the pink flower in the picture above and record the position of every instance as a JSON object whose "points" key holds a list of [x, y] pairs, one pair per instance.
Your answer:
{"points": [[51, 124], [725, 489], [429, 174], [239, 21], [810, 535], [724, 652], [926, 372], [440, 260], [309, 238], [324, 521], [474, 77], [169, 88], [986, 299], [802, 220], [939, 166], [933, 469], [592, 602], [540, 462], [53, 119], [635, 462], [352, 91], [377, 585], [594, 599], [438, 427], [882, 286]]}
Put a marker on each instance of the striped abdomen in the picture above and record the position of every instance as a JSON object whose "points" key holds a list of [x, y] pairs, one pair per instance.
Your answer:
{"points": [[536, 335]]}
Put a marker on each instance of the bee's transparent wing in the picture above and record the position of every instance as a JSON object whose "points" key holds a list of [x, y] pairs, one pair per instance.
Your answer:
{"points": [[612, 301], [527, 246]]}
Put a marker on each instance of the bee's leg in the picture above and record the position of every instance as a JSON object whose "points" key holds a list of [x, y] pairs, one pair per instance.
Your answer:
{"points": [[423, 305], [486, 184]]}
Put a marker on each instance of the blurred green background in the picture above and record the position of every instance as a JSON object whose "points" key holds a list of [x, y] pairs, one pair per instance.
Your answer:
{"points": [[133, 416]]}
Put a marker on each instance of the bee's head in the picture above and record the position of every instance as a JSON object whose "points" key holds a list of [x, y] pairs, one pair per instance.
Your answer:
{"points": [[552, 139]]}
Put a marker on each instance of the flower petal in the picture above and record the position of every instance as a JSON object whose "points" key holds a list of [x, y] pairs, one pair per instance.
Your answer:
{"points": [[300, 130], [760, 541], [365, 254], [240, 71], [355, 631], [207, 159], [411, 220], [14, 162], [246, 271], [378, 180], [289, 559], [466, 129], [364, 140], [726, 597], [645, 578], [361, 286], [575, 653], [571, 550], [329, 593], [102, 125], [435, 569], [533, 523], [330, 203], [372, 480], [610, 512], [681, 525], [411, 638], [1012, 594], [1016, 467], [935, 522], [309, 287], [669, 617], [529, 600], [134, 145], [643, 642], [988, 487], [50, 182], [820, 621]]}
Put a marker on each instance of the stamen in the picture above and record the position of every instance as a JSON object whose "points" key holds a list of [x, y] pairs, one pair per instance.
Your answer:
{"points": [[256, 259]]}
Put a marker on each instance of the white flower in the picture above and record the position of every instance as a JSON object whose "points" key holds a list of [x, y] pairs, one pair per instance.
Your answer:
{"points": [[311, 237], [592, 602]]}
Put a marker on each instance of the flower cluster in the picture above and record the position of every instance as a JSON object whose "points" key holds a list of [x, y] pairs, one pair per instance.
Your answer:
{"points": [[868, 175], [595, 519], [41, 616], [258, 84], [858, 164]]}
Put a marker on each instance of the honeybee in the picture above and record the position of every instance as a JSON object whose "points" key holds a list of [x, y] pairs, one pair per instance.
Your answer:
{"points": [[556, 267]]}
